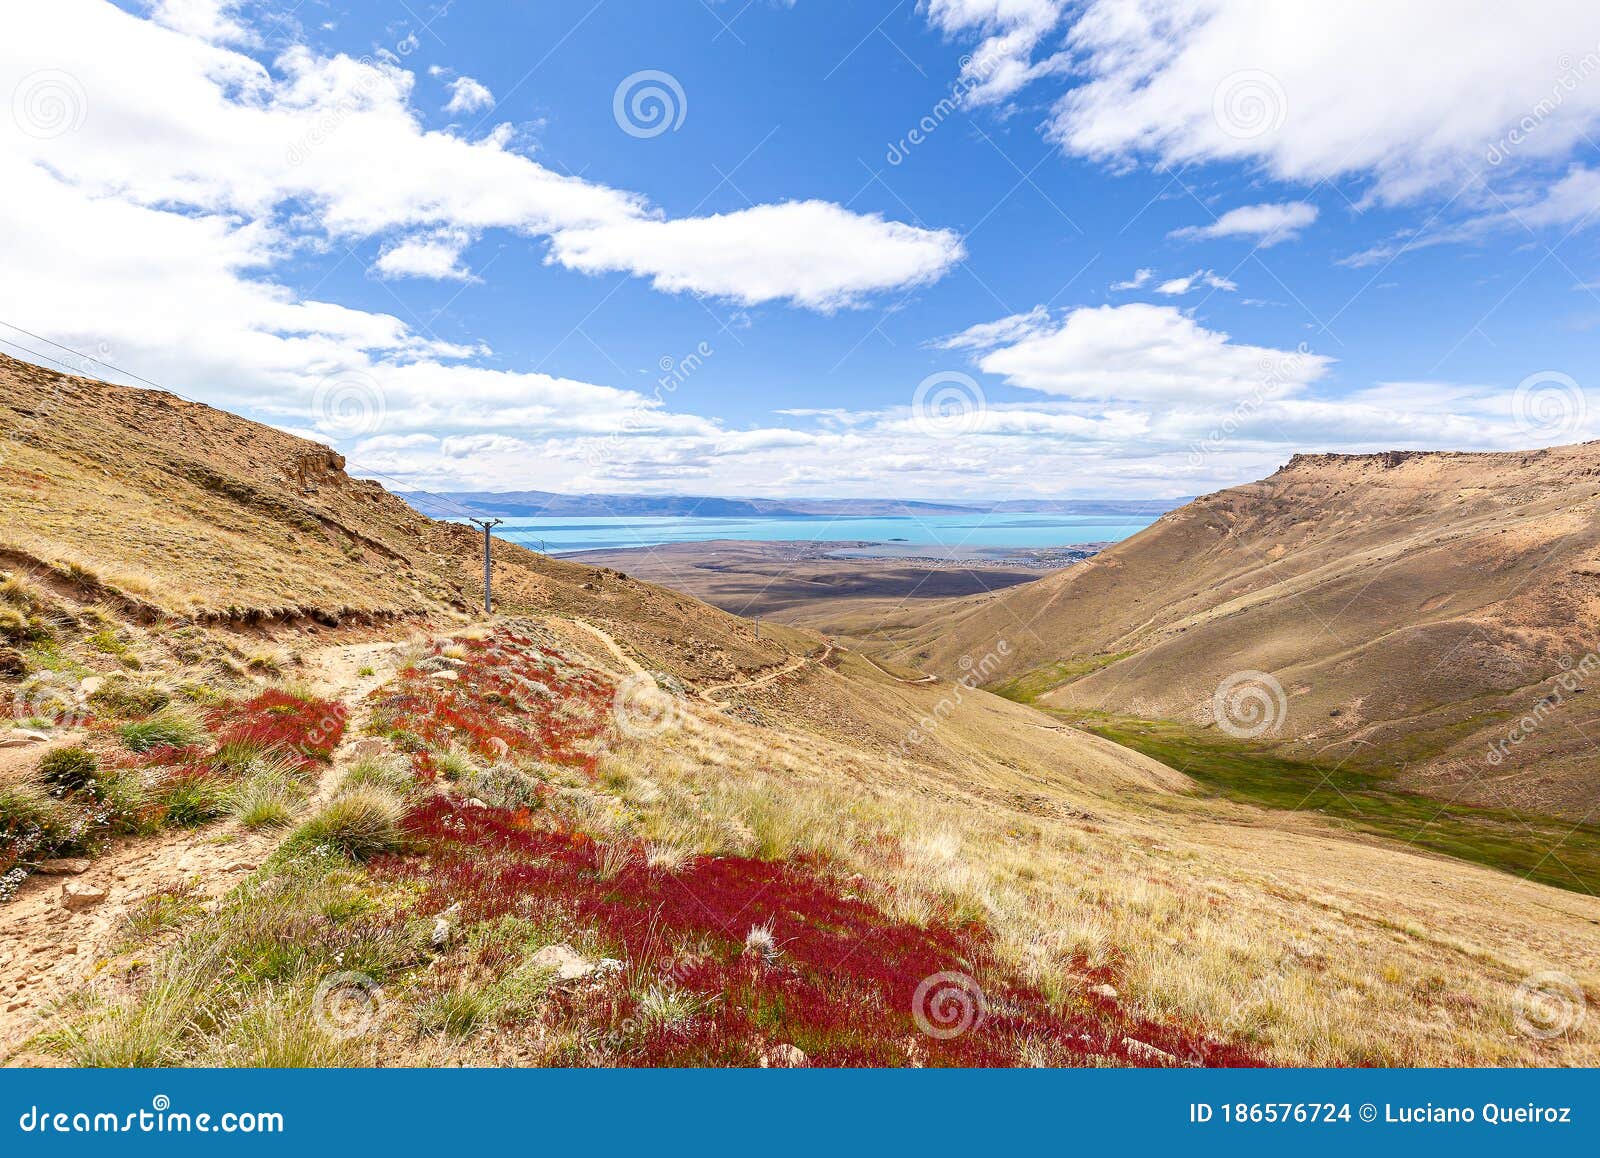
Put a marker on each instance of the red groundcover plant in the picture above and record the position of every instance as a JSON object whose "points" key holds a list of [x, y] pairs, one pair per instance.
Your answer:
{"points": [[838, 978], [751, 953]]}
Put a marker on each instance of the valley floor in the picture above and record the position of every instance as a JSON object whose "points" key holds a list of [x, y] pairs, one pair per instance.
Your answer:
{"points": [[779, 579]]}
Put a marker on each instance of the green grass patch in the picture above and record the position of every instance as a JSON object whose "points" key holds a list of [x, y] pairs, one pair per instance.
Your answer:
{"points": [[1030, 685], [168, 727], [1540, 848]]}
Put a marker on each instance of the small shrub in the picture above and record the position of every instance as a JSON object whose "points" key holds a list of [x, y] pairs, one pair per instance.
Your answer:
{"points": [[159, 911], [360, 824], [18, 592], [127, 804], [33, 827], [107, 642], [170, 728], [22, 808], [454, 1013], [19, 627], [454, 764], [68, 769], [81, 575], [378, 772], [278, 1030], [130, 701], [666, 1004], [264, 802], [192, 798], [265, 661], [238, 754]]}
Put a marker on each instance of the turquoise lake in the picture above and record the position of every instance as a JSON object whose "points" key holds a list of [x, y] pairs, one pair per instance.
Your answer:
{"points": [[946, 532]]}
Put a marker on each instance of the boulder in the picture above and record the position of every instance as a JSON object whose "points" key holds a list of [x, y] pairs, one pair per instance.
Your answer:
{"points": [[567, 963], [784, 1057], [1106, 991], [448, 675], [22, 737], [77, 896], [443, 927], [67, 866]]}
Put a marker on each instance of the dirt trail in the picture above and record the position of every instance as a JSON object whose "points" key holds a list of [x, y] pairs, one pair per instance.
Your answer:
{"points": [[707, 694], [924, 679], [47, 951], [794, 665], [632, 665]]}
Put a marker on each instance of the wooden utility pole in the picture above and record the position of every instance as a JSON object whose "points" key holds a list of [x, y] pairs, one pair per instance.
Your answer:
{"points": [[488, 598]]}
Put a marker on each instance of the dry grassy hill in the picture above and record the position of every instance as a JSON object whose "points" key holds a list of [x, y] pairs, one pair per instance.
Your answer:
{"points": [[1413, 607], [296, 754]]}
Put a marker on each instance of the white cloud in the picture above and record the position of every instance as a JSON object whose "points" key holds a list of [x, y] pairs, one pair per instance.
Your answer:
{"points": [[988, 335], [1174, 287], [1416, 96], [1144, 352], [171, 121], [766, 252], [149, 230], [468, 96], [1268, 223], [1012, 30], [1140, 278], [213, 20], [158, 182], [435, 255]]}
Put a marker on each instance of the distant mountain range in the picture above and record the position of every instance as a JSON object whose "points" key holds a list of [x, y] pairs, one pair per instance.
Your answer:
{"points": [[549, 504]]}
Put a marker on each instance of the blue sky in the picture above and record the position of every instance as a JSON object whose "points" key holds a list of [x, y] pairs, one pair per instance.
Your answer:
{"points": [[439, 236]]}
